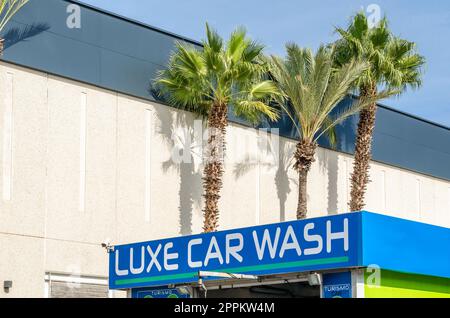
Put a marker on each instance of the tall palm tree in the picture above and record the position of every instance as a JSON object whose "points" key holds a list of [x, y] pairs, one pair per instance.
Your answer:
{"points": [[211, 80], [394, 65], [8, 8], [311, 89]]}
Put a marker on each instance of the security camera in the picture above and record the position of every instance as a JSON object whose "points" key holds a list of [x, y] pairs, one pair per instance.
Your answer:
{"points": [[106, 244]]}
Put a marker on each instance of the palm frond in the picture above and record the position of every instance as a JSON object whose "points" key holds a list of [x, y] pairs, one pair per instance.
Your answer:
{"points": [[236, 44], [188, 61], [252, 51], [330, 131], [394, 62], [8, 8], [214, 41], [254, 110], [234, 74], [359, 26], [312, 92], [263, 90]]}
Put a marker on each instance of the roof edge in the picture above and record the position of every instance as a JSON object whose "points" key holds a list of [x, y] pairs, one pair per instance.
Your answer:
{"points": [[142, 24]]}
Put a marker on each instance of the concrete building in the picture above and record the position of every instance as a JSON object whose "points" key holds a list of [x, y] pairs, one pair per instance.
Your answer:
{"points": [[85, 155]]}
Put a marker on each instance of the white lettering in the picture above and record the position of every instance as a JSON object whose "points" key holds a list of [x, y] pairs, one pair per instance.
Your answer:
{"points": [[216, 254], [119, 272], [190, 244], [292, 245], [260, 249], [154, 259], [373, 279], [312, 238], [337, 235], [374, 16], [168, 256], [140, 269], [74, 19], [233, 250]]}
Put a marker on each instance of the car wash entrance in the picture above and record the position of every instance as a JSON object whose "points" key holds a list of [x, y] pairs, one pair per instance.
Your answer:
{"points": [[276, 286], [337, 256], [281, 290], [335, 285]]}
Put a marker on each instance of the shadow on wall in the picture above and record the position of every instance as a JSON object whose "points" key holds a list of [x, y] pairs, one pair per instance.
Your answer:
{"points": [[281, 160], [330, 162], [180, 140], [15, 35], [177, 133], [282, 179]]}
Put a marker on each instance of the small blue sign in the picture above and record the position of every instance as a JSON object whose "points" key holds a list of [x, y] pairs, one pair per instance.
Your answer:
{"points": [[337, 285], [160, 293], [296, 246]]}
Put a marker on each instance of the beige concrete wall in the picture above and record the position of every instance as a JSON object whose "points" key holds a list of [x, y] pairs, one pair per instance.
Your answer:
{"points": [[89, 165]]}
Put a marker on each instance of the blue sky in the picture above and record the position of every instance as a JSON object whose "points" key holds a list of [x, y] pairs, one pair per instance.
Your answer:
{"points": [[310, 23]]}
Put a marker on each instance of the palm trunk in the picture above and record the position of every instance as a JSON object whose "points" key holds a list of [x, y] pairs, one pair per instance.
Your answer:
{"points": [[304, 157], [1, 46], [363, 152], [213, 171]]}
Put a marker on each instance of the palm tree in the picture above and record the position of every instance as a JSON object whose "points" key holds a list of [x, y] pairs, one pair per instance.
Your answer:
{"points": [[209, 81], [394, 65], [311, 89], [8, 8]]}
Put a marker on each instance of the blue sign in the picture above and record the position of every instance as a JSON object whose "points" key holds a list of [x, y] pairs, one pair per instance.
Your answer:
{"points": [[296, 246], [160, 293], [405, 246], [337, 285]]}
